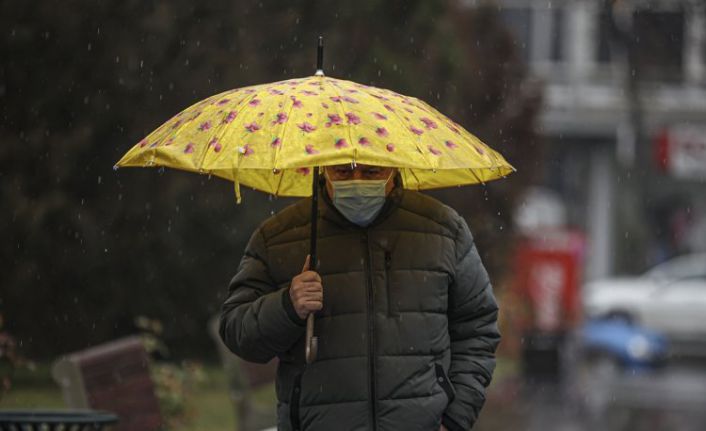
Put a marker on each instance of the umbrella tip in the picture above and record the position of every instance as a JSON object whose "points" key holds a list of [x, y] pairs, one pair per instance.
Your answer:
{"points": [[116, 167], [320, 57]]}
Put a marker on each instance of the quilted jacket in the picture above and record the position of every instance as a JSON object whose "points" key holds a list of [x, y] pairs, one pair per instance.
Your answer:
{"points": [[408, 330]]}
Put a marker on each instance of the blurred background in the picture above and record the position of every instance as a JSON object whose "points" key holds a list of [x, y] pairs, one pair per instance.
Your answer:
{"points": [[596, 246]]}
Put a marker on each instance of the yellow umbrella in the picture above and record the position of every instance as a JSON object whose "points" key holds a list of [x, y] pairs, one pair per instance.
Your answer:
{"points": [[273, 137], [269, 136]]}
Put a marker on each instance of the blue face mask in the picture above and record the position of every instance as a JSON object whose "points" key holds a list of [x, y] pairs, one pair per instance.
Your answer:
{"points": [[360, 201]]}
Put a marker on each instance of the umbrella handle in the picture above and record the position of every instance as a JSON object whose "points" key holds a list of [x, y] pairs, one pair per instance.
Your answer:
{"points": [[312, 343]]}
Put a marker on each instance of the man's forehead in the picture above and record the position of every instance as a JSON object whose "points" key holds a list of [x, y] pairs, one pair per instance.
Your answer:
{"points": [[358, 166]]}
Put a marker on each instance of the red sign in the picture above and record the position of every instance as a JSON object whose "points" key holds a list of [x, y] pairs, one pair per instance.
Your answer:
{"points": [[548, 273], [681, 151]]}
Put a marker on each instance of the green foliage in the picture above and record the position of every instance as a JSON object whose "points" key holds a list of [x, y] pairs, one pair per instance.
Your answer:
{"points": [[85, 248], [175, 383]]}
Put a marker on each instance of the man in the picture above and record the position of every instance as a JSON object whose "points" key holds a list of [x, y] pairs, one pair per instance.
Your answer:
{"points": [[405, 313]]}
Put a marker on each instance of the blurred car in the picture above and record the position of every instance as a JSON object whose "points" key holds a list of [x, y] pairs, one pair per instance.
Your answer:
{"points": [[670, 298], [630, 346]]}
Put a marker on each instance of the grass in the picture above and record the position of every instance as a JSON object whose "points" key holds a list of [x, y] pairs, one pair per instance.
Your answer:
{"points": [[209, 404]]}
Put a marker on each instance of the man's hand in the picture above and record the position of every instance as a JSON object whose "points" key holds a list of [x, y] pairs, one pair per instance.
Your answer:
{"points": [[306, 291]]}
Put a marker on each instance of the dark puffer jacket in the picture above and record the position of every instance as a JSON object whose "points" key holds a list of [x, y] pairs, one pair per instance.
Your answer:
{"points": [[407, 335]]}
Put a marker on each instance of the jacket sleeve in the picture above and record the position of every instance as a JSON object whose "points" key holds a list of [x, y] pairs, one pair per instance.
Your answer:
{"points": [[474, 334], [257, 320]]}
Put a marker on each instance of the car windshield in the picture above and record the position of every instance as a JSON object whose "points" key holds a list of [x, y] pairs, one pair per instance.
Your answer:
{"points": [[691, 266]]}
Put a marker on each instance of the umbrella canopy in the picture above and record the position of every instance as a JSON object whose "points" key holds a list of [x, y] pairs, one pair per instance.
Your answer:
{"points": [[269, 136]]}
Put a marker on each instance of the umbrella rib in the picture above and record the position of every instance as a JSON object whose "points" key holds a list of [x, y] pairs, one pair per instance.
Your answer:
{"points": [[339, 109], [275, 157]]}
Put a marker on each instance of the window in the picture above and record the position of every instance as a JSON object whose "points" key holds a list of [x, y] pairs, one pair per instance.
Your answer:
{"points": [[659, 42]]}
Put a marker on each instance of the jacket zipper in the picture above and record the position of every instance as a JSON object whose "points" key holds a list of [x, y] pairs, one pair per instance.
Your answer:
{"points": [[371, 330], [388, 285]]}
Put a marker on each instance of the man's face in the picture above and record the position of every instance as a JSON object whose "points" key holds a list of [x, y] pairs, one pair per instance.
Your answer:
{"points": [[359, 172]]}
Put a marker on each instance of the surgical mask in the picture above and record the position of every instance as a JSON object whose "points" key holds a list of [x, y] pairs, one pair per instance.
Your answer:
{"points": [[360, 201]]}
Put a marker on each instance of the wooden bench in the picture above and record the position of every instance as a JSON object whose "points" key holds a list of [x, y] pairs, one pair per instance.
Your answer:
{"points": [[115, 377]]}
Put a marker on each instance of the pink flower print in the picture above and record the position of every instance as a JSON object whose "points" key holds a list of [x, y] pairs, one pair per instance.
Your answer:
{"points": [[415, 130], [176, 124], [306, 127], [154, 144], [450, 144], [428, 123], [389, 108], [189, 148], [246, 150], [380, 116], [205, 126], [341, 143], [479, 150], [381, 131], [349, 99], [281, 118], [434, 150], [142, 143], [390, 147], [352, 91], [380, 97], [169, 142], [215, 144], [364, 141], [309, 115], [352, 118], [310, 149], [409, 110], [454, 129], [334, 119], [254, 102], [276, 142], [309, 92], [252, 127], [296, 103], [303, 171], [249, 91], [230, 117], [336, 99], [324, 105], [222, 102], [276, 92]]}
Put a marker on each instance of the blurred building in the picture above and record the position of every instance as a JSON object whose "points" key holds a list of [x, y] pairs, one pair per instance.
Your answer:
{"points": [[624, 121]]}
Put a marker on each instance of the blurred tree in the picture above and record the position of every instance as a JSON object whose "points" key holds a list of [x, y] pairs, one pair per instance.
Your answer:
{"points": [[87, 249]]}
